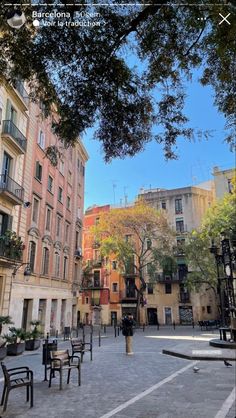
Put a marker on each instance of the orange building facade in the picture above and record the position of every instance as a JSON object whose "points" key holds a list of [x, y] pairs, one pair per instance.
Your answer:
{"points": [[106, 294]]}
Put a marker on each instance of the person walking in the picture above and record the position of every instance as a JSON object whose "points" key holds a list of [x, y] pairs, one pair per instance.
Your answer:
{"points": [[127, 331]]}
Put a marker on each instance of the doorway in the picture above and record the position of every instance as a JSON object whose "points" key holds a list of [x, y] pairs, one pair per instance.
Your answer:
{"points": [[168, 316], [152, 316]]}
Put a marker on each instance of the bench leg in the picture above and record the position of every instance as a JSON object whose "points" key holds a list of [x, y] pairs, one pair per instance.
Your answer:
{"points": [[3, 394], [61, 379], [31, 396], [6, 400], [68, 376]]}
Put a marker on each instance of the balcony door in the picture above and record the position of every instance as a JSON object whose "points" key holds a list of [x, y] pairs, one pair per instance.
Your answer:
{"points": [[6, 166], [168, 316], [11, 113]]}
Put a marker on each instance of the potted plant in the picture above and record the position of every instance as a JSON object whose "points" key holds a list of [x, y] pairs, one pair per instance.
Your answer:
{"points": [[15, 341], [32, 340], [12, 244], [4, 320]]}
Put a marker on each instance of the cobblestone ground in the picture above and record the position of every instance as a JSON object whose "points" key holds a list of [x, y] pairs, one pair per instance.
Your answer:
{"points": [[145, 385]]}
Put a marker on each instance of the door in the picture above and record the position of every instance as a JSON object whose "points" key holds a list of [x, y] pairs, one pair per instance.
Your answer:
{"points": [[25, 314], [168, 316], [186, 315], [6, 166], [113, 318], [152, 316]]}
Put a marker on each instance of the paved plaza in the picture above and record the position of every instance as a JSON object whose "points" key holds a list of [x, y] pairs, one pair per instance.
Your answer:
{"points": [[148, 384]]}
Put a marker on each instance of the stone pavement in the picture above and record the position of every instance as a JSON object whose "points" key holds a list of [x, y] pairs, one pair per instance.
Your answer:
{"points": [[148, 384]]}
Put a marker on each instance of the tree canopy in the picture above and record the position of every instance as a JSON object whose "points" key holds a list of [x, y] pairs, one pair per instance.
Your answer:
{"points": [[126, 75], [138, 237]]}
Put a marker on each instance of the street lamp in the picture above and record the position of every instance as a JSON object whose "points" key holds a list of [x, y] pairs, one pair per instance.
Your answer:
{"points": [[225, 288]]}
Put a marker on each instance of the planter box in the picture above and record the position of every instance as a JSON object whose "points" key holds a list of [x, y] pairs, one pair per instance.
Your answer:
{"points": [[31, 345], [15, 349], [3, 352]]}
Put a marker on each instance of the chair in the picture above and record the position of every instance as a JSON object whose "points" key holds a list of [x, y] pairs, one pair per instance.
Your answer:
{"points": [[61, 360], [15, 378], [79, 346]]}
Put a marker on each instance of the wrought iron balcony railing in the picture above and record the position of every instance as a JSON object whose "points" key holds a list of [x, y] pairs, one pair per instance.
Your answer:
{"points": [[184, 297], [19, 86], [11, 129], [7, 184], [10, 252]]}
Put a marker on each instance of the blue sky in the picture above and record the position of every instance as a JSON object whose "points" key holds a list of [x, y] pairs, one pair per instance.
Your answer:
{"points": [[109, 183]]}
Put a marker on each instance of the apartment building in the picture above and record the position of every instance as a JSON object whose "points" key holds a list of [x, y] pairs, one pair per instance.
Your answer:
{"points": [[14, 118], [105, 294], [48, 214], [223, 181], [168, 300]]}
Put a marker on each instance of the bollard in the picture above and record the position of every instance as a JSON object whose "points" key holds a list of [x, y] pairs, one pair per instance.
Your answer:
{"points": [[99, 338], [143, 327], [118, 331], [115, 330], [104, 329], [193, 324], [174, 324]]}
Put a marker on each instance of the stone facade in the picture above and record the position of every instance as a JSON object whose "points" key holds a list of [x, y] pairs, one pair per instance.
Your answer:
{"points": [[49, 220]]}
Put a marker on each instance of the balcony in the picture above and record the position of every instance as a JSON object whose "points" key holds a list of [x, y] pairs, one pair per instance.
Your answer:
{"points": [[184, 297], [11, 190], [164, 278], [19, 87], [78, 253], [16, 137], [128, 296], [10, 250], [95, 302]]}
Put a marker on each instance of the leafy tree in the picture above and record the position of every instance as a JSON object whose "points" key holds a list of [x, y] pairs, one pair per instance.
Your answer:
{"points": [[220, 217], [127, 74], [137, 237]]}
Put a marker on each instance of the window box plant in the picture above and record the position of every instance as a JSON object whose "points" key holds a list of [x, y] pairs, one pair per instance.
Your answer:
{"points": [[11, 245], [15, 341], [32, 341], [4, 320]]}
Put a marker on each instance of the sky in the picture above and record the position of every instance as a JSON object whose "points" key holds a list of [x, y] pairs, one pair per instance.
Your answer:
{"points": [[121, 180]]}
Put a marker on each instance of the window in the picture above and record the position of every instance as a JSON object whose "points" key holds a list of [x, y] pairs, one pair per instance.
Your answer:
{"points": [[96, 278], [38, 171], [127, 238], [5, 223], [35, 212], [208, 309], [6, 165], [168, 289], [114, 265], [48, 219], [150, 288], [61, 167], [45, 265], [230, 186], [97, 221], [149, 244], [78, 164], [163, 205], [68, 202], [58, 229], [59, 194], [41, 140], [178, 206], [70, 153], [67, 231], [76, 271], [179, 225], [86, 300], [69, 177], [50, 184], [76, 240], [114, 287], [57, 264], [82, 169], [65, 266], [31, 257]]}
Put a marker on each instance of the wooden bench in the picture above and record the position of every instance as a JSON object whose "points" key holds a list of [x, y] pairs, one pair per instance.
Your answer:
{"points": [[81, 347], [61, 360]]}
